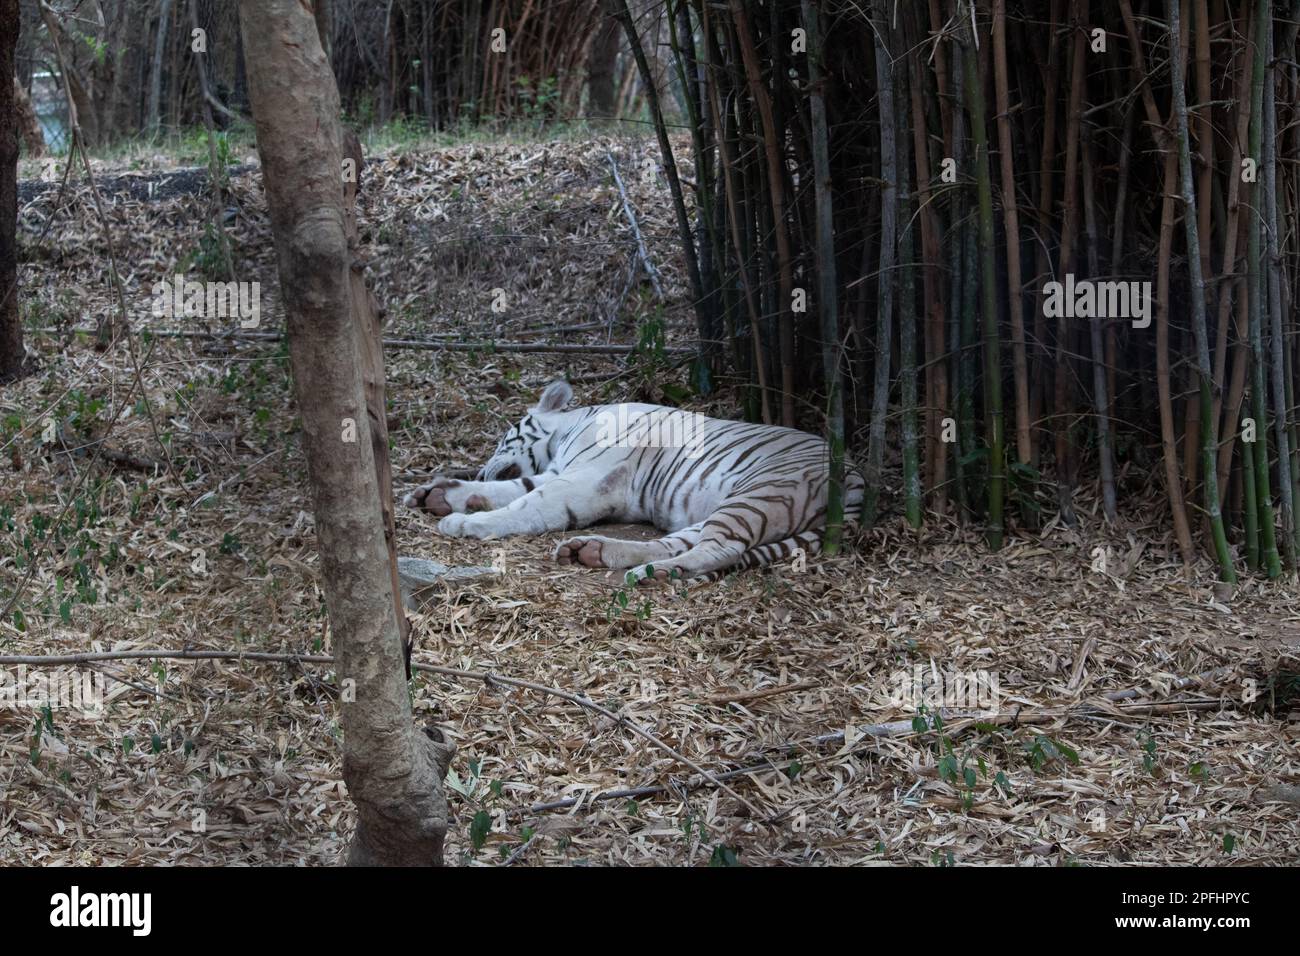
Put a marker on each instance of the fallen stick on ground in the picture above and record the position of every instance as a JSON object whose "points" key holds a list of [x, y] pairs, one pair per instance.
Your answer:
{"points": [[642, 253], [744, 695]]}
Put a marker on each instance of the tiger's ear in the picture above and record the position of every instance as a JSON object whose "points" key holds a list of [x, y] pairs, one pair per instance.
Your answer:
{"points": [[555, 397]]}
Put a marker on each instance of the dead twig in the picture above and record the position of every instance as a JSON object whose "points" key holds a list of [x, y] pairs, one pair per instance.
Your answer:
{"points": [[761, 693], [642, 253]]}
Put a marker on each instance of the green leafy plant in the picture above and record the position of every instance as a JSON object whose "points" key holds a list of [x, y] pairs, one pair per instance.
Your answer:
{"points": [[724, 855], [649, 360], [1148, 745], [1043, 749], [538, 100]]}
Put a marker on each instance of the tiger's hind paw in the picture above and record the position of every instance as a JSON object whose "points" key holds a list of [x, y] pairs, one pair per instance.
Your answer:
{"points": [[584, 551]]}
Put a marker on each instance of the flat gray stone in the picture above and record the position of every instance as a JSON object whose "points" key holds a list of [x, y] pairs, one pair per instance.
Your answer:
{"points": [[420, 578]]}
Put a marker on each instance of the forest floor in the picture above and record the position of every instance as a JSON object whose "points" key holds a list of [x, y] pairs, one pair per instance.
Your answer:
{"points": [[198, 534]]}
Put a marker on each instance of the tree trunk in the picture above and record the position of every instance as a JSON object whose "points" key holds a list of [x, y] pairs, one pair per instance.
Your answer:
{"points": [[393, 773], [963, 402], [29, 127], [732, 190], [11, 328], [1045, 204], [1096, 336], [155, 75], [1231, 420], [602, 103], [912, 497], [682, 37]]}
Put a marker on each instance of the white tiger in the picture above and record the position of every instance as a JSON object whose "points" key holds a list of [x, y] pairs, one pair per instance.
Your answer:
{"points": [[730, 494]]}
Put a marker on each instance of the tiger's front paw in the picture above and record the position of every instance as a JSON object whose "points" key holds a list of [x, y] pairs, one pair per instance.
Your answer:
{"points": [[467, 526], [445, 496], [432, 497]]}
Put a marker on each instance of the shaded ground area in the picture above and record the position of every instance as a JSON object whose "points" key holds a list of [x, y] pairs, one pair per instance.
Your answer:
{"points": [[138, 186], [236, 762]]}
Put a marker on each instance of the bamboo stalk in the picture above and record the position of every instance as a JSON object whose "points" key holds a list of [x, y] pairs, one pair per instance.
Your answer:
{"points": [[888, 250], [1209, 438], [1168, 443], [1069, 226], [827, 286], [1273, 282], [1046, 196], [1101, 397], [936, 381], [912, 496], [1258, 393], [1011, 224], [988, 284]]}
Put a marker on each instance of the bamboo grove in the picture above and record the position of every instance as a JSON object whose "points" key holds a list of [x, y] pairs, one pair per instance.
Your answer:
{"points": [[1041, 250]]}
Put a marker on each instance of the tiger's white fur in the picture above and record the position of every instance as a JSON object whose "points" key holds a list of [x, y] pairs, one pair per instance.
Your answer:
{"points": [[730, 494]]}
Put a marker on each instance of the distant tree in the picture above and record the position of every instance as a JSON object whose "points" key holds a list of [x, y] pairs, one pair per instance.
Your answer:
{"points": [[154, 116], [29, 127], [11, 330], [602, 57]]}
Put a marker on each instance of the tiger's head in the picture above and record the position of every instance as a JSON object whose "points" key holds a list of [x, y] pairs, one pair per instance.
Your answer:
{"points": [[523, 451]]}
